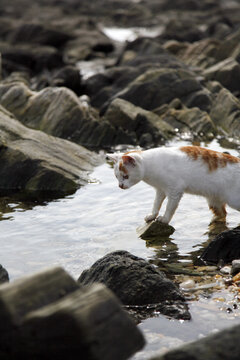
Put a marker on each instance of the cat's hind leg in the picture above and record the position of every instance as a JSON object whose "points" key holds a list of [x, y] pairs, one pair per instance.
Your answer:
{"points": [[159, 198], [218, 208]]}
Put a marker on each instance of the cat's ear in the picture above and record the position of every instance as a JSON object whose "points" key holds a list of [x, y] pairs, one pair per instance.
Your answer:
{"points": [[128, 160], [113, 157]]}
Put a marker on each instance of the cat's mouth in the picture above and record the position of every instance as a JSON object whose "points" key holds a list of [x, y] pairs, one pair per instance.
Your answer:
{"points": [[122, 186]]}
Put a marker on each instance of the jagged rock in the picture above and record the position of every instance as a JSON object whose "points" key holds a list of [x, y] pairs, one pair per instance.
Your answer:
{"points": [[145, 284], [223, 345], [59, 112], [47, 315], [224, 248], [225, 110], [155, 229], [187, 120], [33, 161], [121, 113], [227, 72], [157, 87]]}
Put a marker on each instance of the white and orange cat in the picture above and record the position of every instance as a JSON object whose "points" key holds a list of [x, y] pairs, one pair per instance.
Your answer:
{"points": [[178, 170]]}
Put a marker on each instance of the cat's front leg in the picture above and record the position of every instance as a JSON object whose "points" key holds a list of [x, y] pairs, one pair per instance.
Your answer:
{"points": [[160, 196], [172, 204]]}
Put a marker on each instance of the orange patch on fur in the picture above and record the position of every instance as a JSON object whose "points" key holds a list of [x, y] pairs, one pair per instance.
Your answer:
{"points": [[219, 213], [132, 151], [122, 168], [213, 159]]}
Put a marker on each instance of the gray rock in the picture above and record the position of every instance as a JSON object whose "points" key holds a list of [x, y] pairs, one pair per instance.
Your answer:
{"points": [[157, 87], [121, 113], [29, 58], [227, 72], [187, 120], [225, 111], [47, 315], [37, 33], [33, 161], [136, 282], [155, 229], [223, 345], [235, 267], [59, 112]]}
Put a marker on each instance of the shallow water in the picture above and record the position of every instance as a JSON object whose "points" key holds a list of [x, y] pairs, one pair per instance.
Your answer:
{"points": [[99, 218]]}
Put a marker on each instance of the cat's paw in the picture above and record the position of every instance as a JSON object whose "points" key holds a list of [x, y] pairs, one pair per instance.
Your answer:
{"points": [[150, 217], [163, 219]]}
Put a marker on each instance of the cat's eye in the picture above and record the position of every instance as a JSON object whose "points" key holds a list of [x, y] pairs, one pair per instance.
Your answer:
{"points": [[125, 177]]}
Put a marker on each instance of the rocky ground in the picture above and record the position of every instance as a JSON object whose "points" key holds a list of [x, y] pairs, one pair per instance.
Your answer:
{"points": [[181, 81]]}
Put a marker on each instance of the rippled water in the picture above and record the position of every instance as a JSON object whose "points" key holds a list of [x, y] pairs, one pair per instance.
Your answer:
{"points": [[99, 218]]}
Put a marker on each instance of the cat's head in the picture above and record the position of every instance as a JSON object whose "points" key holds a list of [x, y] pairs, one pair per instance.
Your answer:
{"points": [[127, 168]]}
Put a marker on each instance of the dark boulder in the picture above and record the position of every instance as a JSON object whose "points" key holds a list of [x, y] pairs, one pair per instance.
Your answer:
{"points": [[37, 33], [33, 59], [135, 282], [68, 76], [224, 248], [157, 87]]}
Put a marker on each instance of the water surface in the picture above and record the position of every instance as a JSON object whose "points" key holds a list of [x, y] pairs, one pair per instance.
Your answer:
{"points": [[75, 231]]}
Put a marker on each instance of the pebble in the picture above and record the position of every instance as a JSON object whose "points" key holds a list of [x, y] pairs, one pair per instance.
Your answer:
{"points": [[226, 270], [188, 284]]}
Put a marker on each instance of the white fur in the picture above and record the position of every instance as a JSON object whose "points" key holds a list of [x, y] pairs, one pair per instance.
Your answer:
{"points": [[172, 173]]}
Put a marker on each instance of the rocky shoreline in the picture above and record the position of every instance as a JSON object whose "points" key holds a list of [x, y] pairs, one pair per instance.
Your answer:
{"points": [[182, 81]]}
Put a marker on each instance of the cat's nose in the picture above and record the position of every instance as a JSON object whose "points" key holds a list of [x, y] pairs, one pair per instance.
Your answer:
{"points": [[121, 186]]}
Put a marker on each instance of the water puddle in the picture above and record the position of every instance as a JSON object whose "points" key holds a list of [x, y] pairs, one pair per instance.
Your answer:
{"points": [[75, 231]]}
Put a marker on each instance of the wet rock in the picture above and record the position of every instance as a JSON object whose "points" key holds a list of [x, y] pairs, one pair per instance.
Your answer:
{"points": [[33, 307], [4, 277], [187, 120], [224, 248], [32, 161], [145, 284], [223, 345], [170, 84], [155, 229], [227, 72]]}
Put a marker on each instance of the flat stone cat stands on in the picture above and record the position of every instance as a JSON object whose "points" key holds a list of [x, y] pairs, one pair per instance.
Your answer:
{"points": [[155, 229]]}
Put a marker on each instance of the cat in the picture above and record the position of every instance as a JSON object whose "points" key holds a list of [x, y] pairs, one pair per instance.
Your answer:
{"points": [[173, 171]]}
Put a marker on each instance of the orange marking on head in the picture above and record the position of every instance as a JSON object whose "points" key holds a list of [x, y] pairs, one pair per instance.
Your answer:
{"points": [[213, 159], [122, 168], [132, 151]]}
